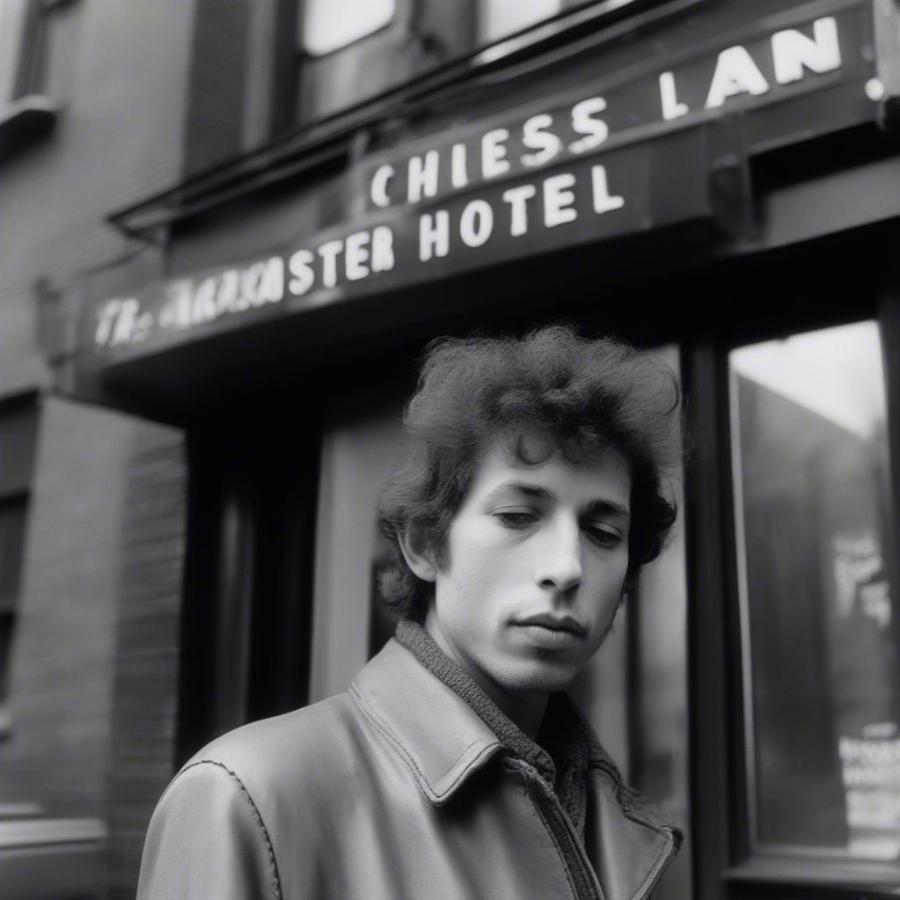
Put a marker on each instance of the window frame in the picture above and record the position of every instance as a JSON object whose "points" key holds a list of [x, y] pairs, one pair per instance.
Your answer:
{"points": [[305, 51], [27, 112], [791, 858], [576, 22], [726, 862]]}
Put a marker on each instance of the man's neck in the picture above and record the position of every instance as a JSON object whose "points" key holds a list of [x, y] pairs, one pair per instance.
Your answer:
{"points": [[526, 710]]}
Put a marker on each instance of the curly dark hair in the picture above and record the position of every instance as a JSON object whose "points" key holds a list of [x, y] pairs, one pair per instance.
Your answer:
{"points": [[585, 395]]}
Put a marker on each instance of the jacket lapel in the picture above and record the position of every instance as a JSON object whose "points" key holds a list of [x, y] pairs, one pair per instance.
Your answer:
{"points": [[438, 737], [628, 843], [443, 742]]}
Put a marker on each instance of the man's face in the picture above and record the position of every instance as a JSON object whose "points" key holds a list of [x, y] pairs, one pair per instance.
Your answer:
{"points": [[536, 560]]}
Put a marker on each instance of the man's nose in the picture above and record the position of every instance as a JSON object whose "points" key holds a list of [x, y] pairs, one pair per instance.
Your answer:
{"points": [[558, 557]]}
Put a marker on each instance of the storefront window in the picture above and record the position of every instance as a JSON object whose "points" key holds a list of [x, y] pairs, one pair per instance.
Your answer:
{"points": [[818, 572]]}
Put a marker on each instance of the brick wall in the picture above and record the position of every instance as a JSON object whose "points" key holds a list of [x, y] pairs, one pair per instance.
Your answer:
{"points": [[93, 681], [60, 679], [145, 680]]}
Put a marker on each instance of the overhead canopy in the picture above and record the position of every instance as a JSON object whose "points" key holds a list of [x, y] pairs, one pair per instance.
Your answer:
{"points": [[665, 145]]}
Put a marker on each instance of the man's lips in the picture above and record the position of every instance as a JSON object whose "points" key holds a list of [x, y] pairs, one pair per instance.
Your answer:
{"points": [[567, 624]]}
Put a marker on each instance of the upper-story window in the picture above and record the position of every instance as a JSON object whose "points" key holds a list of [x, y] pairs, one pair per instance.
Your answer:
{"points": [[329, 25], [26, 110], [352, 50], [501, 18]]}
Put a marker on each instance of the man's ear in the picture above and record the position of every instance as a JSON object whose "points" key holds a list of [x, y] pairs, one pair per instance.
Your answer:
{"points": [[417, 553]]}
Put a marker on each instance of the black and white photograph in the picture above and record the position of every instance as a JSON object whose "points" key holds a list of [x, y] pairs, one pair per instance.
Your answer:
{"points": [[449, 449]]}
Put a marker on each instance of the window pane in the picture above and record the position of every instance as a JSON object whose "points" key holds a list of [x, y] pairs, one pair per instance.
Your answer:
{"points": [[328, 25], [818, 570], [354, 50], [498, 18]]}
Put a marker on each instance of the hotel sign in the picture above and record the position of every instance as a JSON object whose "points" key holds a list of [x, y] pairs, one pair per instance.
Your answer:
{"points": [[519, 147], [623, 157]]}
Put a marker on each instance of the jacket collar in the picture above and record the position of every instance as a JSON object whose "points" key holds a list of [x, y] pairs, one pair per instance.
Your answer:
{"points": [[434, 731], [443, 742]]}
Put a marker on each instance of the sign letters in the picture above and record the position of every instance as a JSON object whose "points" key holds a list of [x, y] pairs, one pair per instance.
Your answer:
{"points": [[572, 170]]}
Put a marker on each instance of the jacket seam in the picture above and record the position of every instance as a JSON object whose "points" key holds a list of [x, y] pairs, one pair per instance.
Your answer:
{"points": [[633, 803], [559, 850], [385, 730], [654, 870], [635, 808], [655, 863], [270, 850]]}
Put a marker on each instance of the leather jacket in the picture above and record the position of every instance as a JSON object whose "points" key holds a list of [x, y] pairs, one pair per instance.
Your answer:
{"points": [[396, 789]]}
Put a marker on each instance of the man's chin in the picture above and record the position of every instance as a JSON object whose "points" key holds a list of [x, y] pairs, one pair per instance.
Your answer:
{"points": [[538, 677]]}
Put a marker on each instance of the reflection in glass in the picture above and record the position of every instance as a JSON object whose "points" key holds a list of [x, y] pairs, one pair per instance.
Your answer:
{"points": [[818, 570]]}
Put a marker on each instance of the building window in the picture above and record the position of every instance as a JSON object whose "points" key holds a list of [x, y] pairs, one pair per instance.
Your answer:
{"points": [[500, 18], [349, 51], [329, 25], [18, 430], [25, 109], [816, 541]]}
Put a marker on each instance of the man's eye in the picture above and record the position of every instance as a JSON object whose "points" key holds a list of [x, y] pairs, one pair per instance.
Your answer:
{"points": [[515, 518], [603, 537]]}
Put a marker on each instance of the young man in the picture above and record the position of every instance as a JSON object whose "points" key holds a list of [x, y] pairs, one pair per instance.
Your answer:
{"points": [[454, 767]]}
